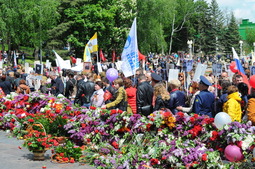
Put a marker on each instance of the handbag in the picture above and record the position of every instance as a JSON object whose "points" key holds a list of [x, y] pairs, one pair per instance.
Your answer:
{"points": [[123, 105], [146, 110]]}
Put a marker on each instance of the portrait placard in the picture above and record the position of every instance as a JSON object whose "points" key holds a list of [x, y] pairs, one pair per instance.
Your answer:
{"points": [[173, 74]]}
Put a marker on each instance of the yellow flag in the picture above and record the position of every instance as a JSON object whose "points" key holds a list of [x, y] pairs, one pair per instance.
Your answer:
{"points": [[87, 55], [92, 44], [90, 48]]}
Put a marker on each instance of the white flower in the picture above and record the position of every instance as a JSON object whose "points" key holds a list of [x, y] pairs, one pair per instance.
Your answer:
{"points": [[162, 144], [42, 110], [23, 115], [121, 142], [246, 143], [151, 151], [226, 127]]}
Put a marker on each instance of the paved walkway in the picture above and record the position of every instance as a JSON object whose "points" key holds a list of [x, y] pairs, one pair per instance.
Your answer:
{"points": [[11, 157]]}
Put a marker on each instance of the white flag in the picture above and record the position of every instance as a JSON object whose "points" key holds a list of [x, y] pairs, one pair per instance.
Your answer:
{"points": [[129, 55]]}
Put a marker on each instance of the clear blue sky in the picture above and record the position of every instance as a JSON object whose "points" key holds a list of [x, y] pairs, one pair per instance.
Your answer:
{"points": [[243, 9]]}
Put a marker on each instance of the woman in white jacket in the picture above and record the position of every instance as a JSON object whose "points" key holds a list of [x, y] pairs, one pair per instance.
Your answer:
{"points": [[97, 99]]}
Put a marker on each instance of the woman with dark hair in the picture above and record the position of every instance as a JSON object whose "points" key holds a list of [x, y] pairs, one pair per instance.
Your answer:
{"points": [[243, 89], [224, 95], [195, 88], [5, 85], [97, 98], [23, 88], [131, 94]]}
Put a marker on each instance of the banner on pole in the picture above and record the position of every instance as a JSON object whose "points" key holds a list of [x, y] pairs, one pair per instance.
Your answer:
{"points": [[200, 70], [129, 57]]}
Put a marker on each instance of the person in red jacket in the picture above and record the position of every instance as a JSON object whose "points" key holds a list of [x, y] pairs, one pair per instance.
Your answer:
{"points": [[131, 94]]}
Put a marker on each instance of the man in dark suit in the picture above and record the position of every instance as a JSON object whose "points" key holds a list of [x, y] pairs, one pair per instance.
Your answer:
{"points": [[144, 96], [57, 84]]}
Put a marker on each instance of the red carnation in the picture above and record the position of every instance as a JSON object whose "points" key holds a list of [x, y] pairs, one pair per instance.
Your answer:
{"points": [[204, 157], [166, 114], [83, 125], [195, 116], [92, 108], [181, 114], [68, 108], [62, 154], [151, 119], [30, 120], [163, 158], [115, 144], [25, 98], [214, 135], [65, 159], [72, 160], [120, 111], [192, 119], [154, 161], [113, 111]]}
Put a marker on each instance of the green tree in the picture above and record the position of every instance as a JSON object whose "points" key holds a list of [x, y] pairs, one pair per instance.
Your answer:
{"points": [[26, 22], [197, 25], [231, 36], [250, 37], [80, 19], [154, 17]]}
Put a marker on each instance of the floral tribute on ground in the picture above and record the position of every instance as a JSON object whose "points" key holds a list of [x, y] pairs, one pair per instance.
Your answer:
{"points": [[116, 139]]}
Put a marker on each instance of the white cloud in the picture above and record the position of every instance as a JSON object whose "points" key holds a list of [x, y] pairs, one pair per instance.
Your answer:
{"points": [[243, 9]]}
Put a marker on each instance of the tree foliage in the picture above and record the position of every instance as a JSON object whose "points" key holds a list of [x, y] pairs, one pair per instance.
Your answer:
{"points": [[82, 18], [26, 22], [163, 26]]}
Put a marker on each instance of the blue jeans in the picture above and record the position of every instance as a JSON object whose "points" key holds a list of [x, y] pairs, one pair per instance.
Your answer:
{"points": [[87, 105]]}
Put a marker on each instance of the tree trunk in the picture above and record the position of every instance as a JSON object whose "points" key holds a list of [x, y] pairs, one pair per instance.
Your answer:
{"points": [[35, 54], [171, 36]]}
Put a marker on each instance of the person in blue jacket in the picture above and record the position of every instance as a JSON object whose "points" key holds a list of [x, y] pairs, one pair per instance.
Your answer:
{"points": [[204, 101]]}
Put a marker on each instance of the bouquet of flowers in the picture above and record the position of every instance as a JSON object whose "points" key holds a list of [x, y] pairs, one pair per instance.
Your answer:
{"points": [[37, 139]]}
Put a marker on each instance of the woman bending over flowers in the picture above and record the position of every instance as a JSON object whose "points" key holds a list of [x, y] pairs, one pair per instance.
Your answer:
{"points": [[121, 97]]}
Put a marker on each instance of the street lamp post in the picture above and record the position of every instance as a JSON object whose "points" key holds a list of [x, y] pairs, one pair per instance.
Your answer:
{"points": [[241, 48], [190, 42]]}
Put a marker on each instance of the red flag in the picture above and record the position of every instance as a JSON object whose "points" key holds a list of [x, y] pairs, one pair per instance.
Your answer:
{"points": [[113, 56], [73, 59], [101, 55], [141, 56]]}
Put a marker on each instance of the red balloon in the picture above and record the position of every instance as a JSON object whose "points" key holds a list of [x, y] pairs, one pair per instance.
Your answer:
{"points": [[233, 153], [232, 67], [252, 81]]}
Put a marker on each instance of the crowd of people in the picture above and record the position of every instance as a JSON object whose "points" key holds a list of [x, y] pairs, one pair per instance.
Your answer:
{"points": [[147, 91]]}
